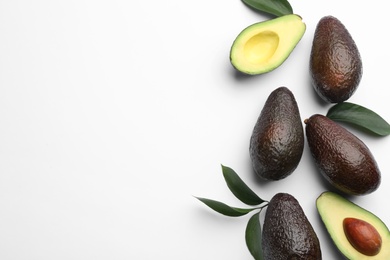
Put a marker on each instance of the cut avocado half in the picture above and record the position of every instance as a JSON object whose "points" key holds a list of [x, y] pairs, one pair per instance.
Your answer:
{"points": [[334, 209], [264, 46]]}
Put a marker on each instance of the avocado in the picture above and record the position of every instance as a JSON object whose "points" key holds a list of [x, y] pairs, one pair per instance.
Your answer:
{"points": [[264, 46], [287, 232], [334, 210], [335, 63], [277, 140], [342, 158]]}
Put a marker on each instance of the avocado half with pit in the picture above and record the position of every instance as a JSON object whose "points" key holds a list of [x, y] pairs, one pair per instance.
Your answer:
{"points": [[264, 46], [357, 233]]}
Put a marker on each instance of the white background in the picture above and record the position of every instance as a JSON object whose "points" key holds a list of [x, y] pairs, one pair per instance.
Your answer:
{"points": [[115, 114]]}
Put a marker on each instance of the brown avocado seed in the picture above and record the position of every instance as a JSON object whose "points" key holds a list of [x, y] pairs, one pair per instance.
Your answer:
{"points": [[362, 236]]}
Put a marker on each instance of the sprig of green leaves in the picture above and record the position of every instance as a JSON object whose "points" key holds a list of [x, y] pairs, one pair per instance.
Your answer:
{"points": [[253, 237], [274, 7], [224, 209], [239, 188], [242, 192], [360, 116]]}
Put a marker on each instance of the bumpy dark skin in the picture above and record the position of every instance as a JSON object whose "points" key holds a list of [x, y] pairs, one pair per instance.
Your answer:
{"points": [[335, 62], [287, 233], [342, 158], [277, 140]]}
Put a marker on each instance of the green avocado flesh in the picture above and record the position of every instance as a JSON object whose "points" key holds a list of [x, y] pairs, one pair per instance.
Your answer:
{"points": [[333, 209], [264, 46]]}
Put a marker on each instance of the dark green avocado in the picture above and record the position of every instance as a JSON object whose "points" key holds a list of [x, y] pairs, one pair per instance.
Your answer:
{"points": [[342, 158], [277, 140], [287, 232], [335, 63], [334, 210]]}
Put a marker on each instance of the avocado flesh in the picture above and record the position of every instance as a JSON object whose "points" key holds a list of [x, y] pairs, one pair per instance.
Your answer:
{"points": [[287, 232], [264, 46], [335, 62], [277, 140], [341, 157], [333, 209]]}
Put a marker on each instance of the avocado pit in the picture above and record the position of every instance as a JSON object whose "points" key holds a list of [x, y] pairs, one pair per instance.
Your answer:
{"points": [[362, 236]]}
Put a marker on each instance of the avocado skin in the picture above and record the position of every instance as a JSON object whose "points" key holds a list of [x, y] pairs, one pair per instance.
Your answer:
{"points": [[287, 233], [342, 158], [335, 63], [277, 140]]}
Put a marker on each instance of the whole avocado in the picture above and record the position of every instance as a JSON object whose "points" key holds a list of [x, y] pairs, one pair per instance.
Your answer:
{"points": [[342, 158], [287, 233], [277, 140], [335, 63]]}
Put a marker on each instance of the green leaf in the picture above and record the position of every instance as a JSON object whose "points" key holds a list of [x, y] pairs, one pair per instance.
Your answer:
{"points": [[253, 237], [239, 188], [225, 209], [359, 116], [274, 7]]}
